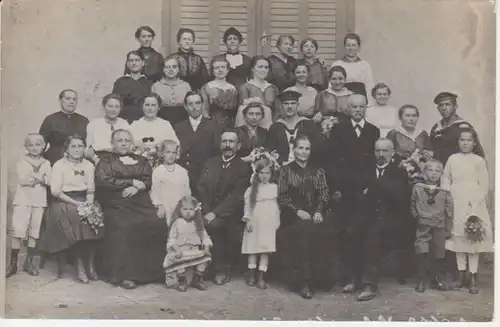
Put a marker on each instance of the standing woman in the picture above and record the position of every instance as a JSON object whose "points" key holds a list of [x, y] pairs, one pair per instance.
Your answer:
{"points": [[309, 93], [172, 91], [192, 67], [72, 184], [282, 63], [153, 60], [380, 113], [359, 72], [99, 130], [239, 63], [317, 70], [407, 138], [285, 130], [333, 100], [220, 98], [132, 87], [57, 127], [251, 135]]}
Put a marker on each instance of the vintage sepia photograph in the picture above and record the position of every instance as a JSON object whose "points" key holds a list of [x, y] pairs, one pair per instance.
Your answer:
{"points": [[265, 160]]}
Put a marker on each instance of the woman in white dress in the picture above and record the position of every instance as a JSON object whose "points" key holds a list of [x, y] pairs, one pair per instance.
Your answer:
{"points": [[466, 176], [149, 131], [380, 113]]}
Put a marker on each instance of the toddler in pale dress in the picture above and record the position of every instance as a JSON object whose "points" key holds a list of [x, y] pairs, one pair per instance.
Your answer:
{"points": [[30, 201], [262, 218], [382, 114], [466, 176], [170, 181]]}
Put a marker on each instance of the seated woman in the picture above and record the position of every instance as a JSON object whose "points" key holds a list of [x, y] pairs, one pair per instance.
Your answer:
{"points": [[304, 233], [382, 114], [150, 130], [134, 245], [317, 76], [172, 91], [99, 130], [282, 63], [132, 87], [333, 100], [72, 184], [259, 88], [309, 93], [251, 135], [220, 98], [407, 138], [282, 133]]}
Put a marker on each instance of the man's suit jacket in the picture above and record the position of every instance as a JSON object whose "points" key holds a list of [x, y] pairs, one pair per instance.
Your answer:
{"points": [[221, 190], [387, 197], [350, 156], [197, 147]]}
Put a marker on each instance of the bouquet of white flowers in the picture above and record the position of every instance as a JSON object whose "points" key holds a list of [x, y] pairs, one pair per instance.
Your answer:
{"points": [[91, 214]]}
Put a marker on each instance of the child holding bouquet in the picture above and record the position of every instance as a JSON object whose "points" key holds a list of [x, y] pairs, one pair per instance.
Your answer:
{"points": [[188, 244], [466, 176], [30, 200], [262, 218]]}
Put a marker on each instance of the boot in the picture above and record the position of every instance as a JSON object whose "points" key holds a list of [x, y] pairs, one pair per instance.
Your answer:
{"points": [[462, 281], [305, 291], [12, 269], [61, 264], [28, 266], [182, 287], [420, 286], [261, 283], [473, 289], [91, 266], [251, 279], [81, 275], [198, 282]]}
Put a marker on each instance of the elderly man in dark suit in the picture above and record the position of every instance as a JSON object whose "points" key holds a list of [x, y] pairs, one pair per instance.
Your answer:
{"points": [[199, 137], [384, 215], [350, 154], [221, 188]]}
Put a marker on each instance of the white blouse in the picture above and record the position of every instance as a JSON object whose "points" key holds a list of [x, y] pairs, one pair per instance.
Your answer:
{"points": [[68, 176], [99, 133], [383, 117], [158, 129]]}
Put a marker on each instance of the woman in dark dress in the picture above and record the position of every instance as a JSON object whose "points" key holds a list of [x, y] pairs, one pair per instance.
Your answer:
{"points": [[192, 67], [153, 60], [286, 129], [57, 127], [239, 63], [251, 135], [305, 237], [133, 247], [282, 63], [133, 87]]}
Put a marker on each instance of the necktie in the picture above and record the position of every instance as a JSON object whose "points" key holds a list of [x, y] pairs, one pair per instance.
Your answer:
{"points": [[357, 127], [380, 172], [226, 164]]}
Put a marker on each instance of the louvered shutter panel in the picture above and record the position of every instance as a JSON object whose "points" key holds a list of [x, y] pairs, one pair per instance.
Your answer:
{"points": [[195, 14], [233, 14], [321, 27], [284, 20]]}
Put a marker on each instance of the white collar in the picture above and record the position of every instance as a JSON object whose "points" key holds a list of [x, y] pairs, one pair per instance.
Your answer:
{"points": [[142, 75], [405, 133], [361, 123], [228, 160], [383, 166], [260, 87], [195, 121]]}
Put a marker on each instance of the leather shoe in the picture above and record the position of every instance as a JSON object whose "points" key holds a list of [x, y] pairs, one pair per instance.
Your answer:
{"points": [[438, 284], [349, 288], [305, 292], [221, 279], [367, 294], [420, 287], [128, 284]]}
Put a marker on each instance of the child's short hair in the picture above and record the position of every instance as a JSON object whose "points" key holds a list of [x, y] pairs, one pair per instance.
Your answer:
{"points": [[167, 143], [433, 161], [74, 137], [33, 136]]}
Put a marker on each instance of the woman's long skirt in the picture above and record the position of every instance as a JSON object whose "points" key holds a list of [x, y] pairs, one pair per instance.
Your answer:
{"points": [[63, 228], [134, 245]]}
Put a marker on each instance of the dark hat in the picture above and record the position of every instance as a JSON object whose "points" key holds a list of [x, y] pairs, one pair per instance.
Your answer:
{"points": [[444, 96], [289, 95]]}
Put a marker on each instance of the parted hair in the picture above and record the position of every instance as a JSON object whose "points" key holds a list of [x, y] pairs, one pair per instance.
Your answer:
{"points": [[73, 137], [110, 96]]}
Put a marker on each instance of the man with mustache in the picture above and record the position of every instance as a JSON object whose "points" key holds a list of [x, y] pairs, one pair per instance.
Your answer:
{"points": [[221, 188]]}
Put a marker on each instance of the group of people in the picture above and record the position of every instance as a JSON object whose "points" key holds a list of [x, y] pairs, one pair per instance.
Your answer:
{"points": [[278, 159]]}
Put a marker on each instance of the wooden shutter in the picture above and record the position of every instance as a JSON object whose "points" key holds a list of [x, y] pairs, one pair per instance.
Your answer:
{"points": [[195, 14], [235, 14], [321, 27], [281, 17]]}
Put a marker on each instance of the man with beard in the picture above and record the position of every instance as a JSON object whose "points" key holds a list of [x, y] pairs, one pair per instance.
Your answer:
{"points": [[221, 188], [446, 132], [384, 217]]}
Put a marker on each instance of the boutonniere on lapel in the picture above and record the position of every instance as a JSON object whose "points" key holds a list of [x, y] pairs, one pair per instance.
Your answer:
{"points": [[128, 160]]}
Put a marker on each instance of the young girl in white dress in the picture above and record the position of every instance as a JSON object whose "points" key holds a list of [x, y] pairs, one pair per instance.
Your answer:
{"points": [[466, 176], [170, 181], [262, 218]]}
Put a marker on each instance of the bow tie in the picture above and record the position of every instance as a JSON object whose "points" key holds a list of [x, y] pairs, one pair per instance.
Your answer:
{"points": [[146, 139], [79, 172]]}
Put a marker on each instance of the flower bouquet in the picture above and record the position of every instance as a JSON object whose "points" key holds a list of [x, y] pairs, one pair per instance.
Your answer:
{"points": [[91, 214], [150, 152], [414, 166], [260, 153], [474, 230]]}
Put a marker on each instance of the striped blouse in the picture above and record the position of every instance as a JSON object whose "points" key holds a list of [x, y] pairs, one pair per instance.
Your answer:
{"points": [[303, 188]]}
